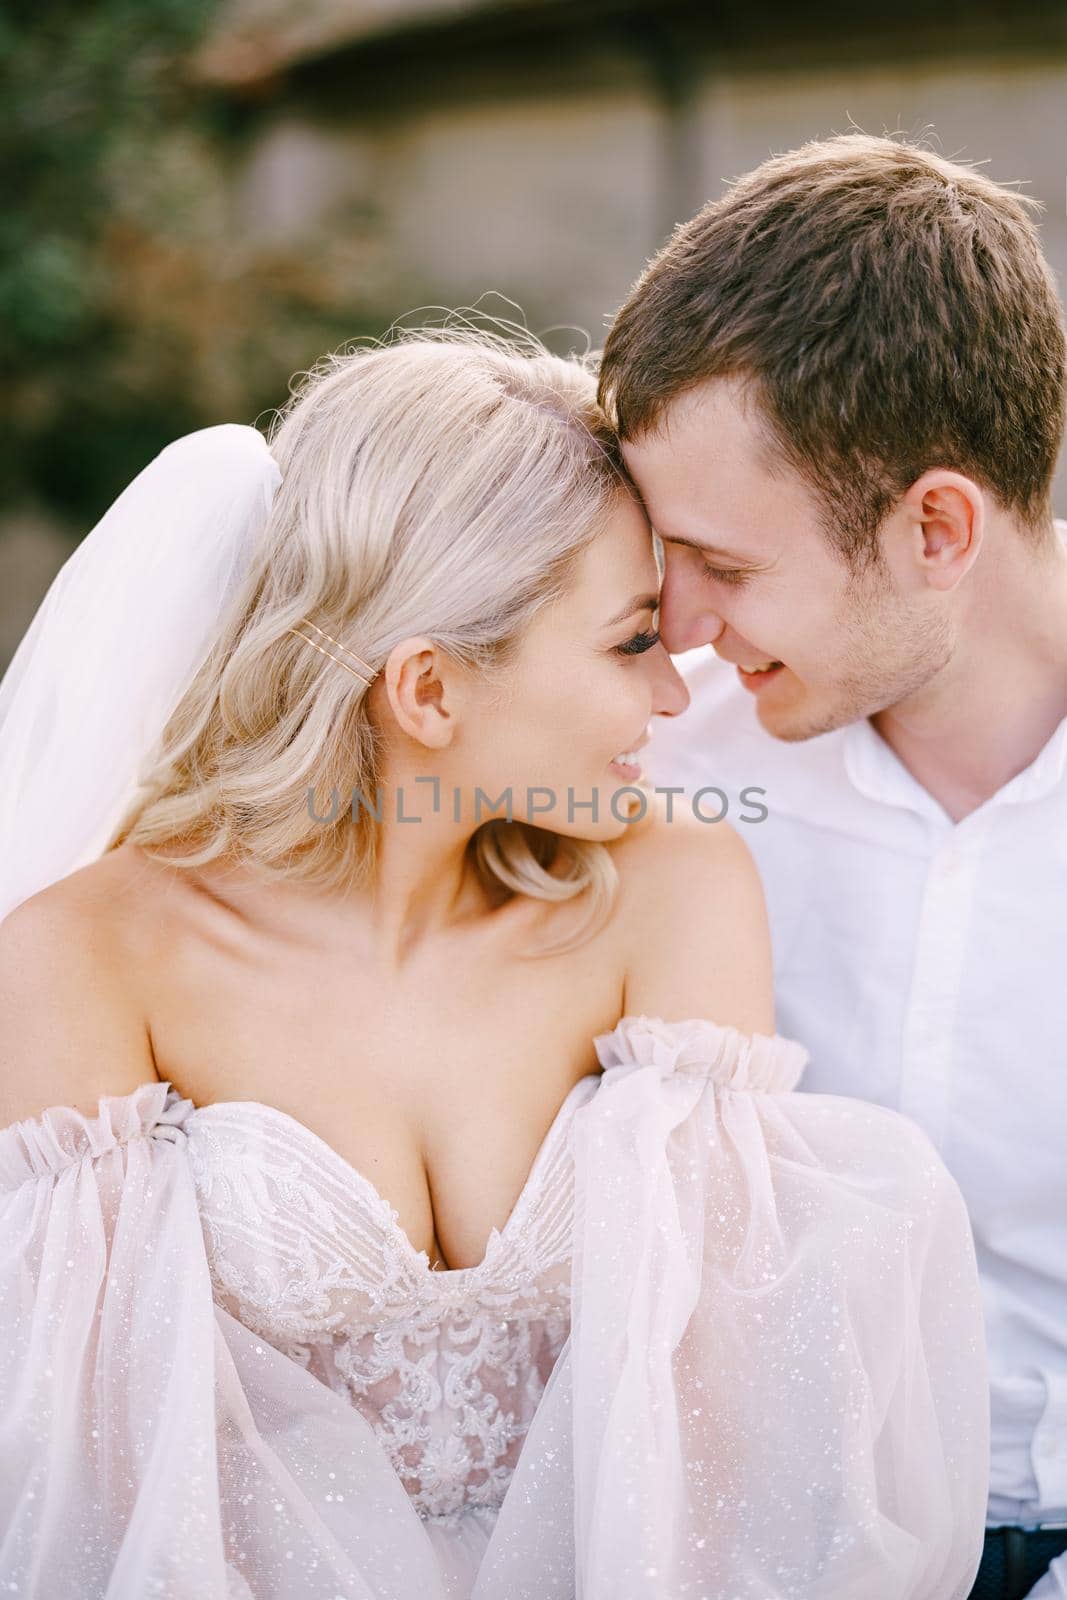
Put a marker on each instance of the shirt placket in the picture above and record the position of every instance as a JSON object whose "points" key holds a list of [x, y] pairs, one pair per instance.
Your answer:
{"points": [[941, 946], [1049, 1449]]}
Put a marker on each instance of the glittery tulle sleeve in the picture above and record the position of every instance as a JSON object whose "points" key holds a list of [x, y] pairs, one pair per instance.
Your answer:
{"points": [[150, 1445], [775, 1384]]}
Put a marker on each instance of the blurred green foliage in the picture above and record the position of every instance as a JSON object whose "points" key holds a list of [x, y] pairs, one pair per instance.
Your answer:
{"points": [[89, 88]]}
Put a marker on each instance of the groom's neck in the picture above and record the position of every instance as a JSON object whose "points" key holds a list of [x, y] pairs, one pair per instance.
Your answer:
{"points": [[992, 709]]}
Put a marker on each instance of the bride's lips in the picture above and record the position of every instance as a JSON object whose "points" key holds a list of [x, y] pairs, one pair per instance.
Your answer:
{"points": [[630, 770]]}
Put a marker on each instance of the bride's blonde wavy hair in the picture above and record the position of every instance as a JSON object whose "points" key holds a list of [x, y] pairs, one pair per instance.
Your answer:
{"points": [[443, 483]]}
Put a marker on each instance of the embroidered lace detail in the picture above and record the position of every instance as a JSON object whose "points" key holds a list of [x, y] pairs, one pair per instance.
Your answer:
{"points": [[451, 1401], [448, 1367]]}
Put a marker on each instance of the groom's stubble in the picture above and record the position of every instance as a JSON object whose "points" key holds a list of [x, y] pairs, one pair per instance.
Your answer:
{"points": [[888, 655]]}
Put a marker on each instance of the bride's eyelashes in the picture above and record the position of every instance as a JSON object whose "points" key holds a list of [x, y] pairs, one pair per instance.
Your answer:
{"points": [[638, 644]]}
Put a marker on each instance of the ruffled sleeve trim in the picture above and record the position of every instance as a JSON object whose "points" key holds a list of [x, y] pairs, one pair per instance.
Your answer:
{"points": [[42, 1146], [735, 1060]]}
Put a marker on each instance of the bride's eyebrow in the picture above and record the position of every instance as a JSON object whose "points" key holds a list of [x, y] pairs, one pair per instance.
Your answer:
{"points": [[640, 602]]}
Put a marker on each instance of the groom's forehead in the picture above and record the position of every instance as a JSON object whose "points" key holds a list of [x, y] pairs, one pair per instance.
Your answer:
{"points": [[704, 491], [691, 503], [712, 440]]}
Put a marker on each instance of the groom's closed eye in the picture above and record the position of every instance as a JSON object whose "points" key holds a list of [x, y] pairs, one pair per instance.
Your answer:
{"points": [[732, 575]]}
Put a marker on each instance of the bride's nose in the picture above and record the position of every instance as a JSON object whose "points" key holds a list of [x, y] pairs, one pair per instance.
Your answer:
{"points": [[671, 694]]}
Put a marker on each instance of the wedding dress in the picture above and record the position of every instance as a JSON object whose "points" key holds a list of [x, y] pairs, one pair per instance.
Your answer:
{"points": [[727, 1345]]}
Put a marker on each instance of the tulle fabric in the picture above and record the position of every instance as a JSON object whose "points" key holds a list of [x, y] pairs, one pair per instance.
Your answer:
{"points": [[150, 1445], [774, 1385]]}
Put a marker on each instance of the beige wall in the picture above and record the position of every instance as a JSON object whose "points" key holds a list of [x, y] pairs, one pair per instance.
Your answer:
{"points": [[552, 201]]}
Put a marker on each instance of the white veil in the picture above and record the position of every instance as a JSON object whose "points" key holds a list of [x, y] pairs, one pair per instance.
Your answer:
{"points": [[118, 638]]}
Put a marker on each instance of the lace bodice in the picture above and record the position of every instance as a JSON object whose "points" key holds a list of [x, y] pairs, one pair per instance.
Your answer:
{"points": [[447, 1366]]}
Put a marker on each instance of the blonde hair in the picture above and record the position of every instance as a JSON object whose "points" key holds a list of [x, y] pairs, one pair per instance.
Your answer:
{"points": [[444, 483]]}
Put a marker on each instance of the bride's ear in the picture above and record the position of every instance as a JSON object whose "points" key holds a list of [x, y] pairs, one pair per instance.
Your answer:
{"points": [[420, 683]]}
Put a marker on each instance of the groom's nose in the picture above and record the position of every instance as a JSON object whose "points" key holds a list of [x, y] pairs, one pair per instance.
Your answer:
{"points": [[685, 619]]}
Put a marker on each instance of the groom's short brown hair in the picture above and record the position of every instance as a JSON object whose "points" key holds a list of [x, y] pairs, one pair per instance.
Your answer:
{"points": [[893, 310]]}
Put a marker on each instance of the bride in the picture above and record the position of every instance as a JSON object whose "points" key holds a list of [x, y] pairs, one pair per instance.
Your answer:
{"points": [[403, 1190]]}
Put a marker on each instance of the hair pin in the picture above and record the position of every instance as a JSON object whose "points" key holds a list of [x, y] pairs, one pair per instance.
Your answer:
{"points": [[363, 671]]}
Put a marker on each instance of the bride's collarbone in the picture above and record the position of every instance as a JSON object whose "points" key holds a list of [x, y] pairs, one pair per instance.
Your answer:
{"points": [[443, 1120], [243, 1017], [440, 1094]]}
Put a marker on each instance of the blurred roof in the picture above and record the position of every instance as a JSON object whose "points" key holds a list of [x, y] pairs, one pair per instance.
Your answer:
{"points": [[252, 43], [254, 39]]}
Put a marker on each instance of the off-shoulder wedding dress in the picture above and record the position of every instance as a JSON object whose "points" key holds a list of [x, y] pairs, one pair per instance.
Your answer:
{"points": [[726, 1347]]}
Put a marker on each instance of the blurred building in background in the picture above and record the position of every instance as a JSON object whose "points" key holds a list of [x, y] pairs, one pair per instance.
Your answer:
{"points": [[296, 173]]}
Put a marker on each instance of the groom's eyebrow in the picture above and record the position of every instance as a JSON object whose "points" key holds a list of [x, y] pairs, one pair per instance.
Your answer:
{"points": [[707, 549], [640, 602]]}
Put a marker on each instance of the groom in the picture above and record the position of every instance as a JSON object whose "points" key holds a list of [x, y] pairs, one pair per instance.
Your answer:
{"points": [[841, 391]]}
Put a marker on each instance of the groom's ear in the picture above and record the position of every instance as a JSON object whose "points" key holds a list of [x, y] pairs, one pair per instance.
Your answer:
{"points": [[944, 517]]}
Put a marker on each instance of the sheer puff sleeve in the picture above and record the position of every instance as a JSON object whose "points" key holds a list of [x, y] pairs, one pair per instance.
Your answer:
{"points": [[775, 1385], [150, 1445]]}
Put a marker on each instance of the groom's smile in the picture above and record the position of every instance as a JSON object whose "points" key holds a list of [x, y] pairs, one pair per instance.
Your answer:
{"points": [[757, 678]]}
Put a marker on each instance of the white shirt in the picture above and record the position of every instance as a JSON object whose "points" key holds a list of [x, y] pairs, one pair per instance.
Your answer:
{"points": [[924, 964]]}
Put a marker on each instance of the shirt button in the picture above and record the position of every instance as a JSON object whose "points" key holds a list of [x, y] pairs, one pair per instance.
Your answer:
{"points": [[1049, 1446]]}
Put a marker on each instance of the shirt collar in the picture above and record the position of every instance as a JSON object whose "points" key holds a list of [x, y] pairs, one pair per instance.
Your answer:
{"points": [[1044, 773], [878, 772]]}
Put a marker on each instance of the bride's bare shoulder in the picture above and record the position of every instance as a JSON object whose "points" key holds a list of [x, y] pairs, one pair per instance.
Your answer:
{"points": [[694, 920], [671, 842], [72, 1026]]}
